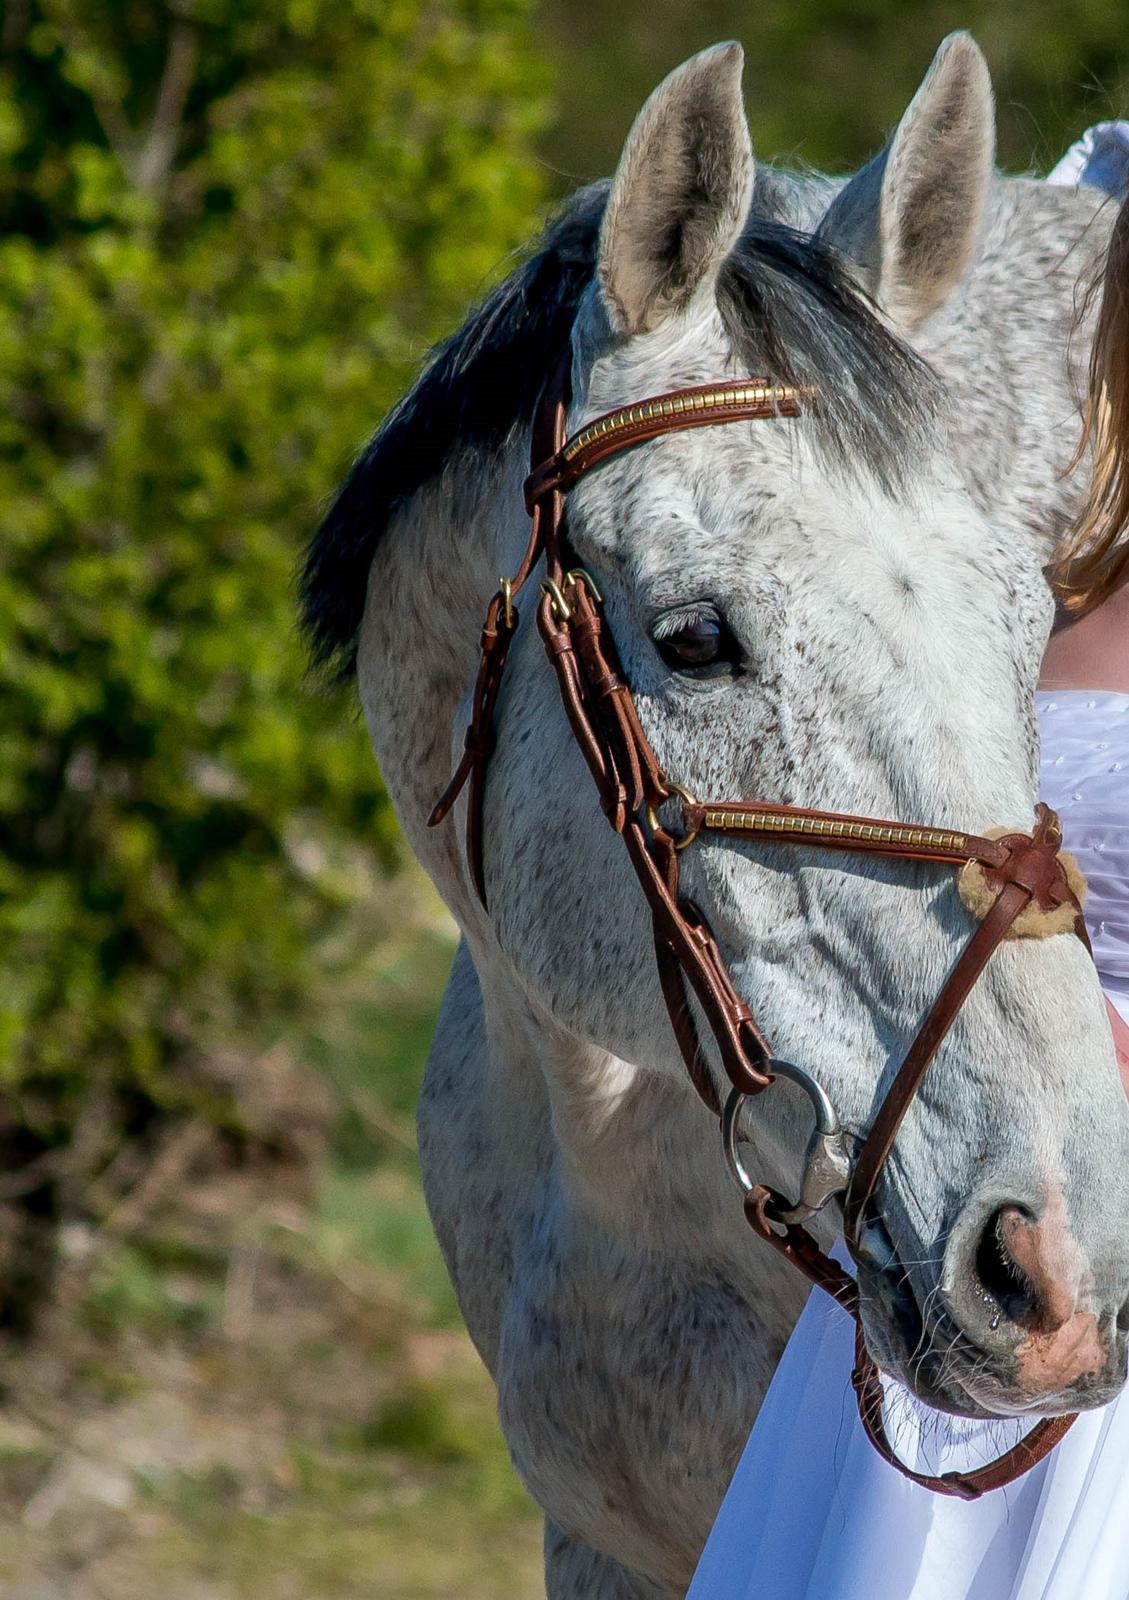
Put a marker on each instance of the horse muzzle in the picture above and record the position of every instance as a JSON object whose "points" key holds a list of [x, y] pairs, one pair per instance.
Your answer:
{"points": [[1015, 1325]]}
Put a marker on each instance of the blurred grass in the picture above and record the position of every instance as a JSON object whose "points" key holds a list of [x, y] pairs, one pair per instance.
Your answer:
{"points": [[252, 1398], [370, 1207]]}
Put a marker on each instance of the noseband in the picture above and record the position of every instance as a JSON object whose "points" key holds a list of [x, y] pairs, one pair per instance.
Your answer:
{"points": [[1016, 876]]}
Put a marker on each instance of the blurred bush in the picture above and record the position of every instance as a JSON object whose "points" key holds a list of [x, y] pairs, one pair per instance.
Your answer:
{"points": [[227, 230]]}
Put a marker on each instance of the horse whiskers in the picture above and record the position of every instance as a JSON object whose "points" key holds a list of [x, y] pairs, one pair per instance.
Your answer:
{"points": [[922, 1345]]}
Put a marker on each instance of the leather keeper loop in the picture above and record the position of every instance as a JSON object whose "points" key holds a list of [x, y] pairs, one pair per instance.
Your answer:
{"points": [[558, 643], [614, 807]]}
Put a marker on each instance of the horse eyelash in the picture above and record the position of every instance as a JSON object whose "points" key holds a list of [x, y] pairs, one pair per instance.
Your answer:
{"points": [[669, 624]]}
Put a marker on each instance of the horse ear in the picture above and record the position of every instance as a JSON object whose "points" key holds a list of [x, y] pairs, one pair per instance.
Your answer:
{"points": [[909, 221], [681, 193]]}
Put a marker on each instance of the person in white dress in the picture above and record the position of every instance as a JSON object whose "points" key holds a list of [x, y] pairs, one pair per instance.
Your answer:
{"points": [[813, 1512]]}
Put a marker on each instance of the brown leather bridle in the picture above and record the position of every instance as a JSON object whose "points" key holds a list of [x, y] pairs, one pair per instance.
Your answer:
{"points": [[1022, 871]]}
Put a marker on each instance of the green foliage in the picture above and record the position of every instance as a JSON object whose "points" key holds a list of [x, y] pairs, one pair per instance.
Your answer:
{"points": [[418, 1421], [227, 232], [824, 79]]}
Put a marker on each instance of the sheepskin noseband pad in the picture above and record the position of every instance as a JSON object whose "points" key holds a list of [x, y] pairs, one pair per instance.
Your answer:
{"points": [[1058, 888]]}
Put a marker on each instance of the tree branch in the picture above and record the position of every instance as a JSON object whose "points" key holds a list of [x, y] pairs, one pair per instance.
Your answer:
{"points": [[157, 154], [146, 159]]}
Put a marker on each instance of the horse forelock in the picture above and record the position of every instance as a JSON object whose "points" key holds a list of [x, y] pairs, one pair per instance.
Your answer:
{"points": [[790, 310]]}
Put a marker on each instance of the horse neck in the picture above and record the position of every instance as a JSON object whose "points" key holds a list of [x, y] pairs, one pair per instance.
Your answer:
{"points": [[1012, 350], [1011, 345], [631, 1154]]}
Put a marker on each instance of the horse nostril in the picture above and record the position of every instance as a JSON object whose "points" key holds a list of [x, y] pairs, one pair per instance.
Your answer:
{"points": [[1020, 1288], [1000, 1275]]}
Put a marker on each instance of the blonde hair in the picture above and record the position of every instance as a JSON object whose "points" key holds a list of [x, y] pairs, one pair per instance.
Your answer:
{"points": [[1094, 557]]}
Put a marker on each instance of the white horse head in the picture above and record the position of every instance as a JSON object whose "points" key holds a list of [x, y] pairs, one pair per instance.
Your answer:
{"points": [[845, 611]]}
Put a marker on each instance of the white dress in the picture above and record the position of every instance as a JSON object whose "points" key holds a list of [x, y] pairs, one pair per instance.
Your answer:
{"points": [[813, 1512]]}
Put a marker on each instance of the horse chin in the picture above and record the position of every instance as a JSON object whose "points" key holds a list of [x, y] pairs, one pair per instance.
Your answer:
{"points": [[897, 1341], [972, 1394], [994, 1399]]}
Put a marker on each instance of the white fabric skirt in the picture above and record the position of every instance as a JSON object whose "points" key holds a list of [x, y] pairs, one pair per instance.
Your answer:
{"points": [[814, 1513]]}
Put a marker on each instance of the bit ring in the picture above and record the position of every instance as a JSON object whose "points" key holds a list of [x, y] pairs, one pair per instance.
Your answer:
{"points": [[685, 840]]}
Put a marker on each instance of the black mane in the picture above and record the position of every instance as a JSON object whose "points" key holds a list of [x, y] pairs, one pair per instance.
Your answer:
{"points": [[789, 308]]}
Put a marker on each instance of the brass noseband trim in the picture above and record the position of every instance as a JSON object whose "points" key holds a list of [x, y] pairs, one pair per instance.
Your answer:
{"points": [[823, 828]]}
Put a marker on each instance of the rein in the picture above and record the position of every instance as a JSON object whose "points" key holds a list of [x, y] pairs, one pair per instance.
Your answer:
{"points": [[1016, 875]]}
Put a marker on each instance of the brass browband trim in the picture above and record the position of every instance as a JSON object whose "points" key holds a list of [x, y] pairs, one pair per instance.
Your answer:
{"points": [[743, 399], [682, 403]]}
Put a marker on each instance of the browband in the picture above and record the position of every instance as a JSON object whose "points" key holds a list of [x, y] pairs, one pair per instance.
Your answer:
{"points": [[744, 400]]}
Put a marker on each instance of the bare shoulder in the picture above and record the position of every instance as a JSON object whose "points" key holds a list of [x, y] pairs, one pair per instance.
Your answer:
{"points": [[1092, 653]]}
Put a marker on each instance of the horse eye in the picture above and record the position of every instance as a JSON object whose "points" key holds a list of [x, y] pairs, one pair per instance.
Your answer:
{"points": [[697, 642]]}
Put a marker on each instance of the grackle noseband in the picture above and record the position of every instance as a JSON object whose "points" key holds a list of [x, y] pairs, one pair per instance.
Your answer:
{"points": [[1024, 873]]}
